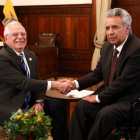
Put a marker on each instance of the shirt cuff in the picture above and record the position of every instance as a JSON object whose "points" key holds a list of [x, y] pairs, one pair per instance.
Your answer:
{"points": [[76, 83], [49, 85], [97, 99], [40, 100]]}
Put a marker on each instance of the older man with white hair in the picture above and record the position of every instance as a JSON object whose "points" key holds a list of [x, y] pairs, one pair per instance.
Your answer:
{"points": [[20, 85]]}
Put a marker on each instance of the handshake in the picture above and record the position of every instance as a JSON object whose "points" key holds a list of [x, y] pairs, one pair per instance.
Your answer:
{"points": [[63, 86]]}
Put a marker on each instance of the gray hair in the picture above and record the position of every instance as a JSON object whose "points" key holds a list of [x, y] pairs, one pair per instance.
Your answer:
{"points": [[126, 18], [6, 29]]}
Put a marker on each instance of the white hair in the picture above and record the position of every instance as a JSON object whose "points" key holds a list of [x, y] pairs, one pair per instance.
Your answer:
{"points": [[6, 29], [126, 18]]}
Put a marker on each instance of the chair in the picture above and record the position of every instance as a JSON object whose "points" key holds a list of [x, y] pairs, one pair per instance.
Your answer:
{"points": [[130, 129], [45, 40]]}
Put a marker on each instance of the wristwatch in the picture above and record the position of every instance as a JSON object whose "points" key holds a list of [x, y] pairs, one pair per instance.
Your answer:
{"points": [[41, 103]]}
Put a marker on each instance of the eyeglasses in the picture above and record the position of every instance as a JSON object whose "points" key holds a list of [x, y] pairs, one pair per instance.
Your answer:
{"points": [[16, 34]]}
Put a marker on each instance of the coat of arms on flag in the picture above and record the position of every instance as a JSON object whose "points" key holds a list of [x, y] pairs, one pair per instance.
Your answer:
{"points": [[8, 16]]}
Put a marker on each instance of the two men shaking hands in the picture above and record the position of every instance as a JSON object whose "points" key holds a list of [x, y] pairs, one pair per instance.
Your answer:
{"points": [[63, 86]]}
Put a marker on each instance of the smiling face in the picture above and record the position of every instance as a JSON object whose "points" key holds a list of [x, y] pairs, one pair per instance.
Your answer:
{"points": [[115, 31], [17, 38]]}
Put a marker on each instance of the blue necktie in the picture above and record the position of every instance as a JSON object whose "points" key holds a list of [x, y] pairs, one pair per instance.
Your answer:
{"points": [[28, 75]]}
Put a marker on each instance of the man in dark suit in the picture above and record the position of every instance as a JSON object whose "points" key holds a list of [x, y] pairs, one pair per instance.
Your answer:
{"points": [[95, 116], [16, 87]]}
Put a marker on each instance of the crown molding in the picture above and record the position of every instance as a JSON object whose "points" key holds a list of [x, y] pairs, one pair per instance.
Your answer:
{"points": [[54, 9]]}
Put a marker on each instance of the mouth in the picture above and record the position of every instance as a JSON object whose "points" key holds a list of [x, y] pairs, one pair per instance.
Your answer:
{"points": [[112, 39], [19, 42]]}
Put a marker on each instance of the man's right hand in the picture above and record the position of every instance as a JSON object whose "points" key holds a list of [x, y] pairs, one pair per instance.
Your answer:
{"points": [[62, 87], [72, 84]]}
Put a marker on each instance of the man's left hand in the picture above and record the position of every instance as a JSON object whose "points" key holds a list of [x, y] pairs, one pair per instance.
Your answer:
{"points": [[90, 98], [38, 107]]}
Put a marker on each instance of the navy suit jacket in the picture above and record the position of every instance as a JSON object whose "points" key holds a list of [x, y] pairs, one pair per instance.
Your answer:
{"points": [[14, 84]]}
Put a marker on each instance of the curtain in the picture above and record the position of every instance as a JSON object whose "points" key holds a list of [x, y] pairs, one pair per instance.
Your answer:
{"points": [[102, 6]]}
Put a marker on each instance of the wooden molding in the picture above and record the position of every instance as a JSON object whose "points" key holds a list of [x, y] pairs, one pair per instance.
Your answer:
{"points": [[55, 9], [129, 2], [71, 56]]}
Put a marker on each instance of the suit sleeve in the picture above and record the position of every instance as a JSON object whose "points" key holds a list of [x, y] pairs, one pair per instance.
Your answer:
{"points": [[11, 74], [91, 78]]}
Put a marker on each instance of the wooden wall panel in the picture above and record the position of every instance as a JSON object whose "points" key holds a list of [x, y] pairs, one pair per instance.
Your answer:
{"points": [[76, 26], [55, 24], [23, 20], [69, 32], [129, 2], [133, 11], [32, 26], [72, 23], [55, 27], [78, 61], [134, 26], [82, 33], [43, 25], [133, 7], [47, 62]]}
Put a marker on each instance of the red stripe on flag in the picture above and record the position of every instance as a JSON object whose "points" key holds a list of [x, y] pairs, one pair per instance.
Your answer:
{"points": [[1, 33]]}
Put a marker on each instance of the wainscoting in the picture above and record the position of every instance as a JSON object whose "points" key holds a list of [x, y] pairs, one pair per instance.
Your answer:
{"points": [[76, 29], [76, 26]]}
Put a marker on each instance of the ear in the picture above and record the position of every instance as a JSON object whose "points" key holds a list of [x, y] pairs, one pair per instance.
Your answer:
{"points": [[5, 38], [127, 29]]}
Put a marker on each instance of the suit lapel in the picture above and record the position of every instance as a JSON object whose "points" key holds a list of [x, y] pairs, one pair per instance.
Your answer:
{"points": [[14, 58], [124, 49], [17, 61], [108, 64], [29, 61]]}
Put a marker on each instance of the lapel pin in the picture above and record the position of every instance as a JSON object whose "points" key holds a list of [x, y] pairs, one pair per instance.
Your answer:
{"points": [[30, 59]]}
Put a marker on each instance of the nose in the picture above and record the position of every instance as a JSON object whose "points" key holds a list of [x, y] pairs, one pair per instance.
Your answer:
{"points": [[110, 31], [19, 35]]}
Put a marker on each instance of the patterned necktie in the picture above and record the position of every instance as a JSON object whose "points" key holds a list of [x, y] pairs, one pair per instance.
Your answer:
{"points": [[28, 75], [113, 66]]}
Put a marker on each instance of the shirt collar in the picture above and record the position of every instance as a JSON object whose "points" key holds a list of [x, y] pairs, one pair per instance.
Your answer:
{"points": [[19, 53], [121, 46]]}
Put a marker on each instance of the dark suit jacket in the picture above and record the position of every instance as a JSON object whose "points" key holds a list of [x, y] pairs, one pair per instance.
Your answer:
{"points": [[125, 89], [14, 84]]}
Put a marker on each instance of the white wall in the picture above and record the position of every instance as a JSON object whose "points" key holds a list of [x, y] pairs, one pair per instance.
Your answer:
{"points": [[46, 2]]}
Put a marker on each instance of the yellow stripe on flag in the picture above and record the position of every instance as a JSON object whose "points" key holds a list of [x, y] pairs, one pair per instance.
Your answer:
{"points": [[9, 12]]}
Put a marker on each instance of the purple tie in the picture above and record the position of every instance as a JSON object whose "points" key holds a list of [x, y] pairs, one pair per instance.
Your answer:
{"points": [[113, 66]]}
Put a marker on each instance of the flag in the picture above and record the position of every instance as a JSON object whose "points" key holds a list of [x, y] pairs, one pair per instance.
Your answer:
{"points": [[1, 33], [8, 16], [2, 30]]}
